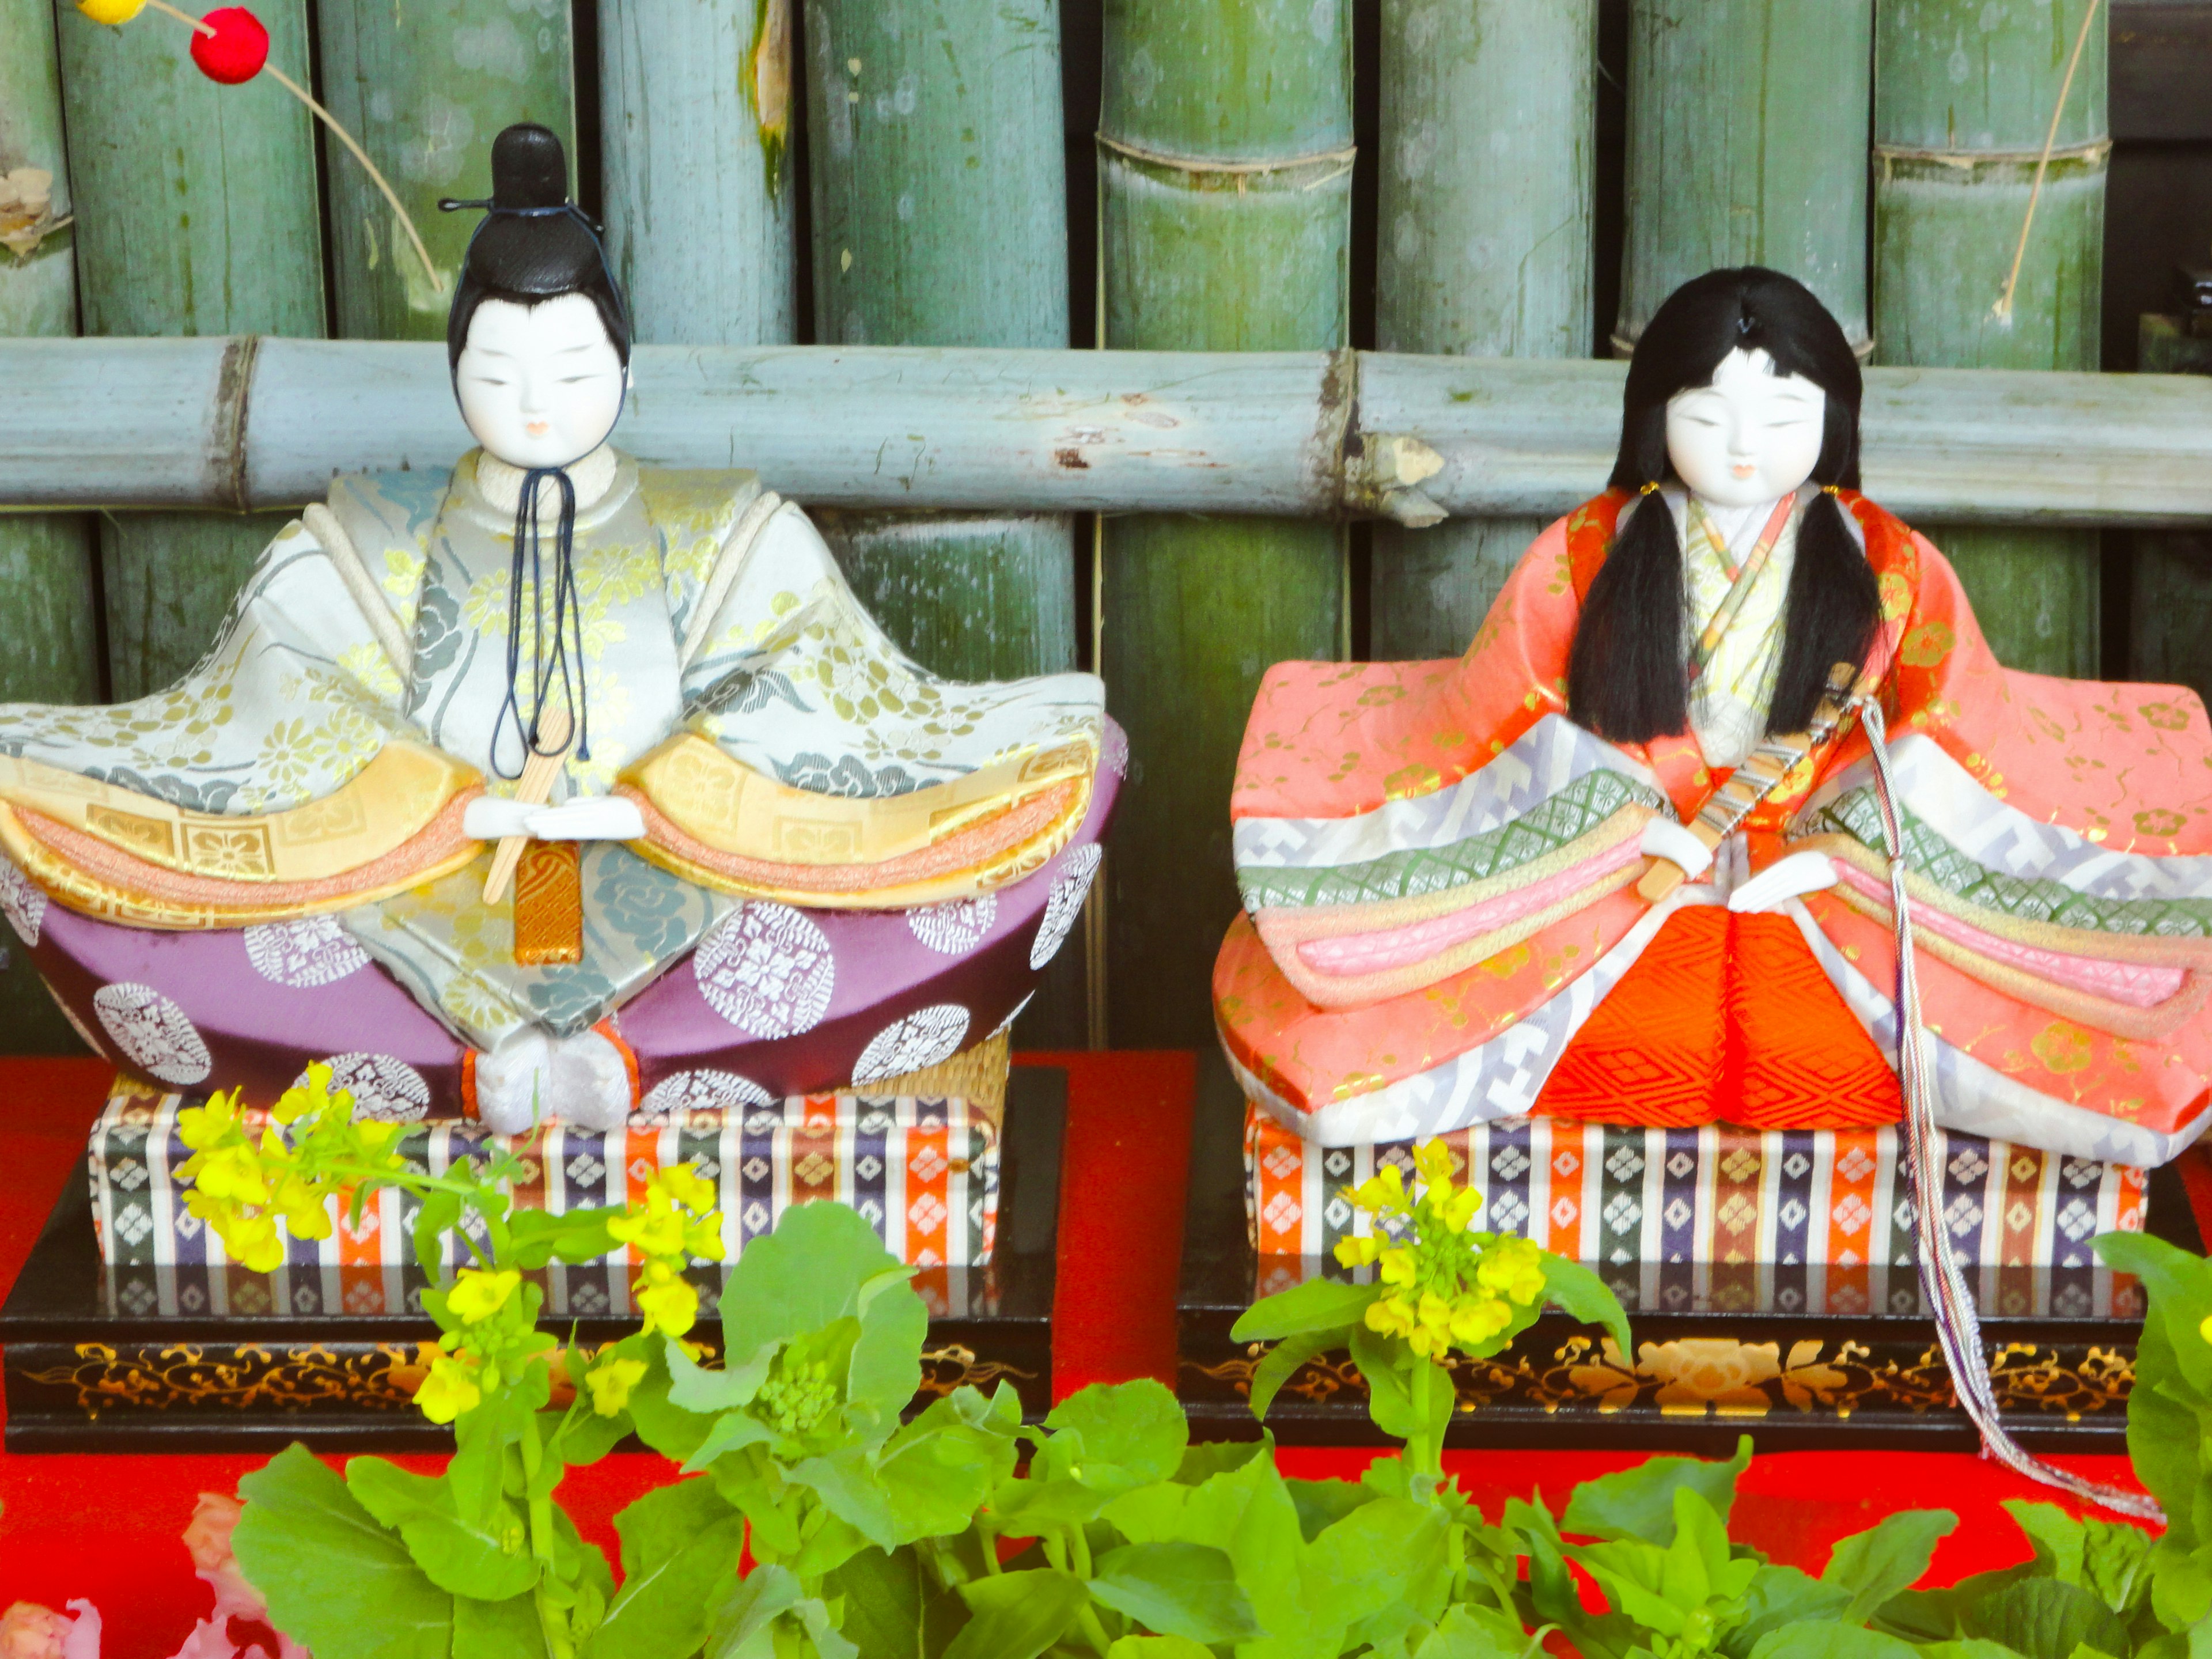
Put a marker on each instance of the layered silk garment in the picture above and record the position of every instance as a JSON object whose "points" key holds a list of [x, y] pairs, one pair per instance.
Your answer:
{"points": [[831, 833], [1442, 924]]}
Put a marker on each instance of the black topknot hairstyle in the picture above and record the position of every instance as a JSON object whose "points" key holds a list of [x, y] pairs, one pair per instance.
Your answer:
{"points": [[534, 244], [1627, 679]]}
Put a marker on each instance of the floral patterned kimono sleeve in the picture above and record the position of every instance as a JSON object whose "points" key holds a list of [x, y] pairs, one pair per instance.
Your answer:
{"points": [[280, 775], [819, 763]]}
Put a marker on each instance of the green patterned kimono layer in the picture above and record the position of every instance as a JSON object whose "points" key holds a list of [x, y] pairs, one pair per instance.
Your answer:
{"points": [[1568, 816], [1928, 854]]}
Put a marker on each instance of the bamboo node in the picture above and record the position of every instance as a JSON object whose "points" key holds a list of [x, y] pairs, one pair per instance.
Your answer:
{"points": [[1338, 161], [26, 210]]}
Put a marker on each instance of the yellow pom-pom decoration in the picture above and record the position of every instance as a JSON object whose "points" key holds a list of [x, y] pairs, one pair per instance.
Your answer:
{"points": [[111, 12]]}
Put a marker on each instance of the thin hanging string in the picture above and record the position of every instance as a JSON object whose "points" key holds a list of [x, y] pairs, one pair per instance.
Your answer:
{"points": [[558, 650], [1957, 1325]]}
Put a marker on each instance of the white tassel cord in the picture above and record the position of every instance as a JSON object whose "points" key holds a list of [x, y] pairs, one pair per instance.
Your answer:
{"points": [[1957, 1325]]}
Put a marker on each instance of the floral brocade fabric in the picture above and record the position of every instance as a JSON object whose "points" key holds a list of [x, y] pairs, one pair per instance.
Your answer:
{"points": [[849, 865], [1442, 926]]}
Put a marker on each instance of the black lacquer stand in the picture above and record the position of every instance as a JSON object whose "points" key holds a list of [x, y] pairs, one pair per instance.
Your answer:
{"points": [[82, 1372], [1795, 1380]]}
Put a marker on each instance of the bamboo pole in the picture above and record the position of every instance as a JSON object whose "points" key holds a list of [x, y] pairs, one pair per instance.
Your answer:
{"points": [[48, 640], [240, 422], [697, 166], [1963, 98], [426, 89], [1747, 145], [2170, 621], [939, 219], [1224, 186], [1486, 200], [939, 195], [199, 216]]}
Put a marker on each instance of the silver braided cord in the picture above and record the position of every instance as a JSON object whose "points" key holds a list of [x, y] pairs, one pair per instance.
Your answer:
{"points": [[1957, 1325]]}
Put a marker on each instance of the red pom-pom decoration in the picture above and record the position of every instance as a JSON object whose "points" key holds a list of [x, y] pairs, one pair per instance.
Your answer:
{"points": [[237, 49]]}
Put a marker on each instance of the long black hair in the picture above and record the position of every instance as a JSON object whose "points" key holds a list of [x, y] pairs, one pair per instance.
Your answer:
{"points": [[1626, 676], [534, 244]]}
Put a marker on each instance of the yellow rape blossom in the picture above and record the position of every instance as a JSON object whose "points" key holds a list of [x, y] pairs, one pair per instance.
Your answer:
{"points": [[1448, 1286], [478, 1295], [610, 1382], [449, 1390], [667, 1302]]}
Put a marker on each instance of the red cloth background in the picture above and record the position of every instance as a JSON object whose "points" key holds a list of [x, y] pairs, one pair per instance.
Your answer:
{"points": [[109, 1528]]}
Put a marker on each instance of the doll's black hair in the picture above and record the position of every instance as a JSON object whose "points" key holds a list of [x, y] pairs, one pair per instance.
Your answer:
{"points": [[1627, 679], [534, 244]]}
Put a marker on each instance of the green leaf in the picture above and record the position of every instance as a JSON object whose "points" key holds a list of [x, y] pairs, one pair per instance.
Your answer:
{"points": [[1827, 1639], [537, 1237], [1150, 1514], [1581, 1294], [1779, 1596], [2058, 1539], [731, 1432], [940, 1469], [1639, 1503], [1177, 1589], [1938, 1614], [1017, 1615], [1470, 1632], [582, 1438], [846, 1482], [2044, 1619], [807, 1273], [1131, 1433], [1318, 1304], [742, 1623], [1322, 1503], [678, 1543], [886, 1369], [1887, 1559], [670, 1429], [695, 1388], [1201, 1462], [439, 1214], [487, 1563], [1384, 1551], [1280, 1363], [2115, 1563], [1157, 1647], [1387, 1362], [894, 1607], [333, 1579], [497, 1629]]}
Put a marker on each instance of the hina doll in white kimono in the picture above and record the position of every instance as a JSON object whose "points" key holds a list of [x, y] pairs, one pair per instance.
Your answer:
{"points": [[552, 785]]}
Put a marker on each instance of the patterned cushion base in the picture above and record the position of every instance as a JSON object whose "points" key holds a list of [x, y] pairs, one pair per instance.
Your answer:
{"points": [[1669, 1214], [924, 1171]]}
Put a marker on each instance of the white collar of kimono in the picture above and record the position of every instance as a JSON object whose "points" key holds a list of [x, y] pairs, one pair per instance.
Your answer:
{"points": [[602, 481]]}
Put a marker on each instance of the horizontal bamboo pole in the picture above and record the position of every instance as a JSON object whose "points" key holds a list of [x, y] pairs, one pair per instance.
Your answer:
{"points": [[241, 423]]}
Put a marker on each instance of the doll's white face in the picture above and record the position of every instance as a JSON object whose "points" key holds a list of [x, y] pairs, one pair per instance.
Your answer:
{"points": [[542, 385], [1750, 437]]}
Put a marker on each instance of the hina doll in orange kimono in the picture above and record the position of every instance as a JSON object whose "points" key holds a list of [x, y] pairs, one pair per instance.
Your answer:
{"points": [[1623, 860]]}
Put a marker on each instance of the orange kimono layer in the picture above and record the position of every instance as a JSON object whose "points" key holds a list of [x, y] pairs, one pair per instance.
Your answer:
{"points": [[1439, 933]]}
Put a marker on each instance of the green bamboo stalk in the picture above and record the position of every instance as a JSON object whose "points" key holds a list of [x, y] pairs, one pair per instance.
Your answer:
{"points": [[939, 193], [1747, 145], [198, 215], [1225, 181], [2170, 620], [697, 167], [426, 87], [1964, 94], [1486, 200], [49, 650], [1310, 433]]}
